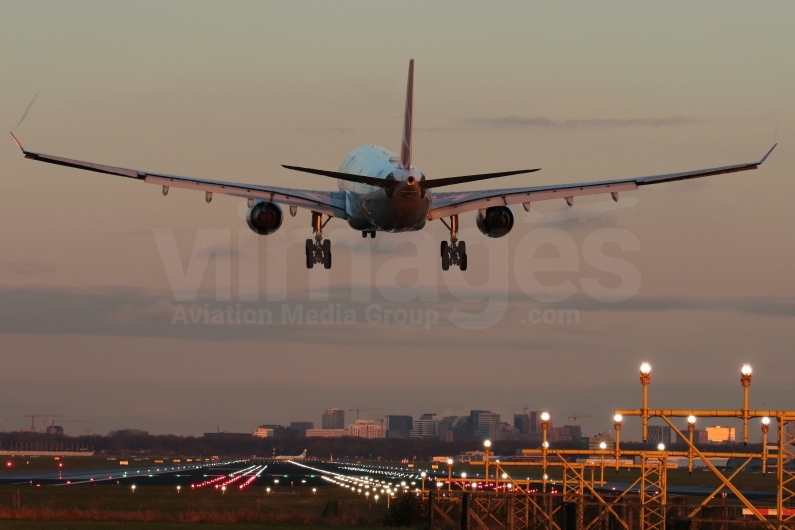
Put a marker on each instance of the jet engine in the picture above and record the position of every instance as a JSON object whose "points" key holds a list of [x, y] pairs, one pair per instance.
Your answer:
{"points": [[264, 218], [497, 222]]}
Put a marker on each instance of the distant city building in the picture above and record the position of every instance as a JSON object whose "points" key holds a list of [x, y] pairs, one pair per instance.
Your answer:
{"points": [[54, 429], [302, 426], [326, 433], [128, 432], [366, 429], [506, 431], [262, 432], [699, 436], [334, 419], [659, 434], [487, 425], [594, 442], [521, 422], [720, 434], [273, 430], [426, 427], [399, 426], [448, 425], [791, 428], [567, 433]]}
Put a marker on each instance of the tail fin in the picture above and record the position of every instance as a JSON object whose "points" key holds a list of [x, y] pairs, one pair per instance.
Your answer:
{"points": [[405, 148]]}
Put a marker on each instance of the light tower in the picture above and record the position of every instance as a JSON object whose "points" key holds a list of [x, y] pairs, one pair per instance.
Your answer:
{"points": [[645, 379], [745, 379]]}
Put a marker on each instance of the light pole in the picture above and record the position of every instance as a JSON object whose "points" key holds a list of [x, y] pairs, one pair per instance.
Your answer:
{"points": [[691, 427], [449, 474], [745, 379], [765, 428], [645, 378], [423, 475], [486, 447], [617, 419], [544, 447]]}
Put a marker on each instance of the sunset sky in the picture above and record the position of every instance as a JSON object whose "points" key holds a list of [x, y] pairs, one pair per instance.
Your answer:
{"points": [[230, 91]]}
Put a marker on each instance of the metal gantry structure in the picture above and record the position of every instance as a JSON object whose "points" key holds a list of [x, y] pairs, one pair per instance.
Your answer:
{"points": [[579, 478]]}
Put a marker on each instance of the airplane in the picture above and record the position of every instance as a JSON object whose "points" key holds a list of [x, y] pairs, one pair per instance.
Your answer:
{"points": [[302, 456], [381, 191]]}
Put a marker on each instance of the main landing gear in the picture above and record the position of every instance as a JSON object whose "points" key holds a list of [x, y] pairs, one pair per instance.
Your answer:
{"points": [[318, 250], [455, 252], [371, 232]]}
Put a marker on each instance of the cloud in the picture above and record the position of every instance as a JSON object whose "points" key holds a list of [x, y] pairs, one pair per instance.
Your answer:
{"points": [[522, 122], [23, 268]]}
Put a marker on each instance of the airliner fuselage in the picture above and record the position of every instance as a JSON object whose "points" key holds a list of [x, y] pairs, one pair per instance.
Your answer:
{"points": [[404, 208]]}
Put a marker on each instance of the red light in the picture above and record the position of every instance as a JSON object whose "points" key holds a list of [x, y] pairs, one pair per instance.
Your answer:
{"points": [[60, 464], [9, 464]]}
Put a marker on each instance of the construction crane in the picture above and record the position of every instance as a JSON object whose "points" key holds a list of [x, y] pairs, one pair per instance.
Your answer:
{"points": [[34, 416], [576, 417], [524, 409], [357, 410]]}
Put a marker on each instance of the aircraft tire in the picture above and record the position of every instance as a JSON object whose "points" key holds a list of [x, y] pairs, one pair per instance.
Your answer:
{"points": [[446, 261], [364, 234], [326, 247], [310, 247], [310, 261], [444, 248], [372, 234], [462, 248], [462, 264], [327, 260]]}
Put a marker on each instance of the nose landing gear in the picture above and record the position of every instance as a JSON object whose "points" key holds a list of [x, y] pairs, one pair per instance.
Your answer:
{"points": [[455, 252], [318, 250], [371, 232]]}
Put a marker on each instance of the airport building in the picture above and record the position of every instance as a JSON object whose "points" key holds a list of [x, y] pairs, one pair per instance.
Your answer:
{"points": [[334, 419]]}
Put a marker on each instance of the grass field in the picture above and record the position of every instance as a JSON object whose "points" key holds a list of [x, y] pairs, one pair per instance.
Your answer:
{"points": [[162, 504]]}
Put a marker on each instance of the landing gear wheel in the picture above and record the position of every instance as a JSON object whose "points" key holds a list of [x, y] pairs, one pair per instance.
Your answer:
{"points": [[372, 234], [445, 246], [446, 261], [310, 254], [463, 263], [327, 254], [364, 234], [462, 248]]}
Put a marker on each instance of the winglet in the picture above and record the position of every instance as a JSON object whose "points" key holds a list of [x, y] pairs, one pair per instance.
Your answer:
{"points": [[405, 148], [17, 142], [768, 153]]}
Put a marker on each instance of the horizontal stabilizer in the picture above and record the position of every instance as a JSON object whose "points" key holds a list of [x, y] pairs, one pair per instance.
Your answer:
{"points": [[449, 181], [372, 181]]}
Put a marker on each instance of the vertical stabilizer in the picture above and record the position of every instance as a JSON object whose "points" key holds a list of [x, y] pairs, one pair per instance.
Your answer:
{"points": [[405, 148]]}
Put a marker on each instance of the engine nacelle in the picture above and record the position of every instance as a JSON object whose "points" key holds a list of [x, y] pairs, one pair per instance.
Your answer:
{"points": [[264, 218], [497, 222]]}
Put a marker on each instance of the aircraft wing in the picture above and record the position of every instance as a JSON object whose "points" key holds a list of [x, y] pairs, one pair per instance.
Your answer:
{"points": [[326, 202], [450, 203]]}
